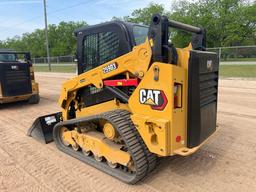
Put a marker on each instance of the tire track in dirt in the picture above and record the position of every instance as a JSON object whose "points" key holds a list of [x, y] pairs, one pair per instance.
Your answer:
{"points": [[13, 177], [41, 169], [237, 114], [225, 163], [51, 169]]}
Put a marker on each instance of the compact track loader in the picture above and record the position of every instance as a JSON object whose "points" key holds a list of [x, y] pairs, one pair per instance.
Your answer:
{"points": [[17, 80], [136, 98]]}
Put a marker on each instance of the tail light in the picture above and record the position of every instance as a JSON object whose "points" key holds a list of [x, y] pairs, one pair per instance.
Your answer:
{"points": [[177, 95], [32, 76], [0, 90], [178, 138]]}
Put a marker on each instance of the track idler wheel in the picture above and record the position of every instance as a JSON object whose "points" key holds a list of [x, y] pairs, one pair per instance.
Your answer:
{"points": [[98, 158], [75, 147], [109, 131], [112, 165], [86, 152], [62, 131]]}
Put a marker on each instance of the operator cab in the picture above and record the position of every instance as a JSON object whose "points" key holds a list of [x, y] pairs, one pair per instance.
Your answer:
{"points": [[98, 44], [104, 42]]}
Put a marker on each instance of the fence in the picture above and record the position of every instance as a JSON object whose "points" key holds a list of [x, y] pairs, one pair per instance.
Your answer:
{"points": [[68, 59], [236, 55], [239, 55]]}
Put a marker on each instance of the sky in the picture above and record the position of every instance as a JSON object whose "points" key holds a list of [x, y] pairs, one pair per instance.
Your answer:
{"points": [[20, 16]]}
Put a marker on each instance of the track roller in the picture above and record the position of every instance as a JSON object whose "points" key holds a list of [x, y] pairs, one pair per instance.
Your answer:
{"points": [[119, 125]]}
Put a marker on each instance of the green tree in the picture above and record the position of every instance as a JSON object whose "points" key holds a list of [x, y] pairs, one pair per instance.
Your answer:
{"points": [[144, 15], [227, 22], [61, 40]]}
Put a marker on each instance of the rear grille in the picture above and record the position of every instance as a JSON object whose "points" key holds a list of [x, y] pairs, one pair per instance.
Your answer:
{"points": [[15, 76], [15, 81], [202, 96], [208, 88]]}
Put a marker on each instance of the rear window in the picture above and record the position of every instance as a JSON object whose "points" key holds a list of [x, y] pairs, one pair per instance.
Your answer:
{"points": [[8, 57], [140, 34]]}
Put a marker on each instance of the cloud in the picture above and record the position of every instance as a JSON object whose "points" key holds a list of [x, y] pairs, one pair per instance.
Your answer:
{"points": [[19, 2]]}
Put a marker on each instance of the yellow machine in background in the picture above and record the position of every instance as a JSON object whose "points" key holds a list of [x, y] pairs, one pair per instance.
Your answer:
{"points": [[134, 100], [17, 80]]}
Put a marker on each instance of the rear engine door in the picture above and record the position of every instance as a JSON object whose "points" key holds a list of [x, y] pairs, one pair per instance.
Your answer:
{"points": [[202, 96], [15, 79]]}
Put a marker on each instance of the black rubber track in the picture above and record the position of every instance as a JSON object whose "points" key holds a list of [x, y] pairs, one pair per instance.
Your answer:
{"points": [[151, 157], [144, 161]]}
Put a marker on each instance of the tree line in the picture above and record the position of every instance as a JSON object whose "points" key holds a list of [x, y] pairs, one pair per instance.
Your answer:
{"points": [[61, 40], [227, 22]]}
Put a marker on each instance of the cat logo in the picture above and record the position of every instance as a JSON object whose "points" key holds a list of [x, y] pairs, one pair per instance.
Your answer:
{"points": [[209, 65], [15, 67], [155, 98]]}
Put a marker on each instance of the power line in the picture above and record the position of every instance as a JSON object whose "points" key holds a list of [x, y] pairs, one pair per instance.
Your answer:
{"points": [[70, 7], [18, 24], [15, 1], [49, 13]]}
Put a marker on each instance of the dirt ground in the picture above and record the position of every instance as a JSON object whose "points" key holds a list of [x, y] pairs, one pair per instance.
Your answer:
{"points": [[226, 163]]}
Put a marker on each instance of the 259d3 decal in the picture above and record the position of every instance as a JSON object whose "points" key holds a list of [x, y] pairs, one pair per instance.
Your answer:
{"points": [[109, 68], [155, 98]]}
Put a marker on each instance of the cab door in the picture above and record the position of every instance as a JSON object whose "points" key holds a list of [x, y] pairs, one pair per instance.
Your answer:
{"points": [[99, 44]]}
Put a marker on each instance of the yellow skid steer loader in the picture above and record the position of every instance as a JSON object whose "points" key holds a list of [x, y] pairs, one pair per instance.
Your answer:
{"points": [[17, 80], [136, 98]]}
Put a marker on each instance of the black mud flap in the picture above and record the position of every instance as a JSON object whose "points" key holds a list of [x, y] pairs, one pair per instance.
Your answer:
{"points": [[42, 128]]}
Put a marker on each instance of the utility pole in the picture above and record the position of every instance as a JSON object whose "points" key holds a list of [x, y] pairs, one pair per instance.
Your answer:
{"points": [[46, 37]]}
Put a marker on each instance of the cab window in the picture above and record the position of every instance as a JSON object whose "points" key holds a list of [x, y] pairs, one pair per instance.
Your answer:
{"points": [[7, 57], [140, 34], [99, 48]]}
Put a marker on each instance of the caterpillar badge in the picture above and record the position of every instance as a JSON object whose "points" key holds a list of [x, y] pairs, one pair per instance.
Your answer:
{"points": [[136, 98]]}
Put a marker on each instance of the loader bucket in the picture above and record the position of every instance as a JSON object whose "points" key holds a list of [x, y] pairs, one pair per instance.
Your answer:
{"points": [[42, 127]]}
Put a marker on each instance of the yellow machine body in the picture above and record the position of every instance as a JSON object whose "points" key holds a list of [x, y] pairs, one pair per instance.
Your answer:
{"points": [[159, 129], [151, 100]]}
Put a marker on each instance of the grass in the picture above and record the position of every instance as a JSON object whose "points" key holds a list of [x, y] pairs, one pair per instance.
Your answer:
{"points": [[225, 70], [238, 70], [238, 59]]}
